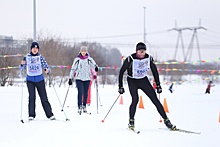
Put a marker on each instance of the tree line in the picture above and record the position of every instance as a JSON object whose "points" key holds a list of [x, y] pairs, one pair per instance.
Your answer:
{"points": [[56, 52]]}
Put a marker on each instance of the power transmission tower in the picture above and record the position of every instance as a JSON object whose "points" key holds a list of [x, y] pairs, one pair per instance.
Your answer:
{"points": [[179, 38], [188, 55], [194, 36]]}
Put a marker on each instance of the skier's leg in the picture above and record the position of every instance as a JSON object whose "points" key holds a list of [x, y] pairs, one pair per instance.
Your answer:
{"points": [[79, 86], [89, 94], [32, 99], [150, 92], [134, 95], [43, 97], [85, 91]]}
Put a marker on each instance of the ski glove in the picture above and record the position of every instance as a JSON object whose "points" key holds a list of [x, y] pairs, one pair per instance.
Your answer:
{"points": [[159, 89], [70, 82], [121, 90], [96, 69]]}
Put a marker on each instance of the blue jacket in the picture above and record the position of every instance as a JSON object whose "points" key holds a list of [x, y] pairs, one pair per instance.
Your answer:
{"points": [[43, 64]]}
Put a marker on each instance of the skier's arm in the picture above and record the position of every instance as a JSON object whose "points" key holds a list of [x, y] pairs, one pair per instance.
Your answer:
{"points": [[125, 65], [93, 64], [45, 65], [154, 71], [74, 67]]}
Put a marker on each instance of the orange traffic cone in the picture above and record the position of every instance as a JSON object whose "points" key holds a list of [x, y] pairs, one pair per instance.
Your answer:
{"points": [[165, 105], [121, 101], [141, 104]]}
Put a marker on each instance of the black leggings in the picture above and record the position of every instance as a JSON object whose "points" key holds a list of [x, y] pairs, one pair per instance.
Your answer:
{"points": [[146, 87]]}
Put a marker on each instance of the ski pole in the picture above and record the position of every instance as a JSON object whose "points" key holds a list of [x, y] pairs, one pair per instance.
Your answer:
{"points": [[100, 100], [111, 108], [160, 116], [59, 101], [96, 85], [97, 95], [65, 98], [21, 96]]}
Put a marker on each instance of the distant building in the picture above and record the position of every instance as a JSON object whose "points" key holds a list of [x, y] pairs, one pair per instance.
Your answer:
{"points": [[6, 41], [9, 42]]}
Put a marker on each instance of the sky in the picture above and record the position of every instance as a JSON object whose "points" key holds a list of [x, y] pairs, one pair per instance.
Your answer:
{"points": [[119, 23], [193, 110]]}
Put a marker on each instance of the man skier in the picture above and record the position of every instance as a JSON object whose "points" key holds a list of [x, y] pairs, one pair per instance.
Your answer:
{"points": [[137, 66]]}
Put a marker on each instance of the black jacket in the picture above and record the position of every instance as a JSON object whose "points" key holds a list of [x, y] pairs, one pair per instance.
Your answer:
{"points": [[127, 65]]}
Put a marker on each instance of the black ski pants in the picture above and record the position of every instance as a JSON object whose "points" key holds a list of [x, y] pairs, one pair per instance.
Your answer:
{"points": [[146, 87], [43, 97]]}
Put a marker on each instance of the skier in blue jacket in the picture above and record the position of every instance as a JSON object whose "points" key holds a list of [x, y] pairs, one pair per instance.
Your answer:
{"points": [[33, 63]]}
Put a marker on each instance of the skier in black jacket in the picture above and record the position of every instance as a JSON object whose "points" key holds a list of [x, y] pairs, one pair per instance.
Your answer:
{"points": [[137, 66]]}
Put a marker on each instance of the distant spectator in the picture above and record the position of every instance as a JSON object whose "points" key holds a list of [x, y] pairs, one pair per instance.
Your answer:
{"points": [[209, 87], [171, 88]]}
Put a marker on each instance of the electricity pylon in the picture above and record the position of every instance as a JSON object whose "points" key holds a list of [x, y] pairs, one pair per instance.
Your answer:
{"points": [[194, 36], [179, 38]]}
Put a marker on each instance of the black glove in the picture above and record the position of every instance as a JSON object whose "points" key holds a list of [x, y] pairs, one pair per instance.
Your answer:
{"points": [[121, 90], [70, 82], [96, 69], [159, 89]]}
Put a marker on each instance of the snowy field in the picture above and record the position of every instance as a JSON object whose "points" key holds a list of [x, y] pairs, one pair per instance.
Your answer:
{"points": [[189, 108]]}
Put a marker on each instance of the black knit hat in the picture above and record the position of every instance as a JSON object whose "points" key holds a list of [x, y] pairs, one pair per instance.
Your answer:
{"points": [[35, 44], [141, 46]]}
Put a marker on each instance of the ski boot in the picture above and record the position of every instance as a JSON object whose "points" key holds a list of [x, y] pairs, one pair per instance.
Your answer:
{"points": [[80, 110], [131, 124], [30, 118], [169, 125], [84, 109], [52, 118]]}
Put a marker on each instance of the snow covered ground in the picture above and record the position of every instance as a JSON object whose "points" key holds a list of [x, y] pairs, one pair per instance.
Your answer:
{"points": [[189, 108]]}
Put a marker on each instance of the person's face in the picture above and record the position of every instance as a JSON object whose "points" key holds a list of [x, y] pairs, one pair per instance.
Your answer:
{"points": [[141, 53], [83, 52], [34, 50]]}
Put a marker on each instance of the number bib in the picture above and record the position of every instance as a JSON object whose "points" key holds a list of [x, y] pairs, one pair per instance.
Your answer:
{"points": [[34, 66], [140, 68]]}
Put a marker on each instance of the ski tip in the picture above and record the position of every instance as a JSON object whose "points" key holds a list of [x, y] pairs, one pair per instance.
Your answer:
{"points": [[22, 121], [67, 119]]}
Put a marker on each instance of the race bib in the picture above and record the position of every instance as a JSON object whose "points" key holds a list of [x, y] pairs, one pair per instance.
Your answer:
{"points": [[140, 68], [34, 66]]}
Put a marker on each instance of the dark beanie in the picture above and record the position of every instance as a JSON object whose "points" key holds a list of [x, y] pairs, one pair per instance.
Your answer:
{"points": [[34, 44], [141, 46]]}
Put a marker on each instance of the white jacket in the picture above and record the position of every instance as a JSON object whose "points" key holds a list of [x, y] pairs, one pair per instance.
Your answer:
{"points": [[81, 68]]}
